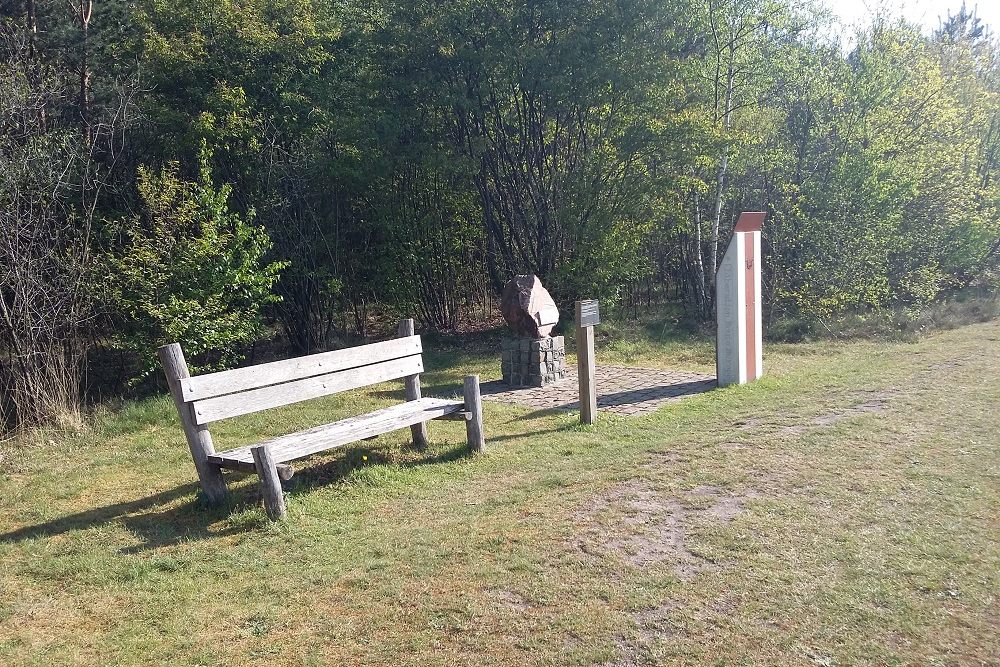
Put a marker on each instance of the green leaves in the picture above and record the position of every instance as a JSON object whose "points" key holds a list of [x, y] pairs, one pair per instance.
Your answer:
{"points": [[188, 270]]}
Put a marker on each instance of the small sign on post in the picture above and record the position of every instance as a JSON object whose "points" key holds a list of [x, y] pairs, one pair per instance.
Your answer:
{"points": [[588, 315]]}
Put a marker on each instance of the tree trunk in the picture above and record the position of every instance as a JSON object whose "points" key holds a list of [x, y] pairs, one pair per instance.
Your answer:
{"points": [[698, 259], [86, 11], [720, 183]]}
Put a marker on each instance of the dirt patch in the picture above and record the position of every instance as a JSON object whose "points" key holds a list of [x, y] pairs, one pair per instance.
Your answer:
{"points": [[874, 402], [656, 624], [665, 622], [641, 525], [948, 365], [512, 599], [663, 459], [648, 528], [747, 424], [630, 654], [724, 506]]}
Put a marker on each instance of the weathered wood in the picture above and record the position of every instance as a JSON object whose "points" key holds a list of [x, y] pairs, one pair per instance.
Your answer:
{"points": [[411, 383], [474, 406], [585, 369], [255, 400], [198, 438], [588, 313], [285, 471], [230, 394], [270, 482], [321, 438], [263, 375]]}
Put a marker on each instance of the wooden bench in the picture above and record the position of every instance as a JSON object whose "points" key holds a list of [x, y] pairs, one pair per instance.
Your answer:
{"points": [[208, 398]]}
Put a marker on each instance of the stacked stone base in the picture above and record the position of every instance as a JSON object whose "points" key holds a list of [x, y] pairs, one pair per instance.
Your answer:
{"points": [[527, 362]]}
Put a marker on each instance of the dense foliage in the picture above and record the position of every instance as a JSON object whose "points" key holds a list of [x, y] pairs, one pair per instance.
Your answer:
{"points": [[187, 269], [190, 170]]}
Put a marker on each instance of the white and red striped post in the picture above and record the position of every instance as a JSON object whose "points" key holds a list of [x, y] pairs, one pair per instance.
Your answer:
{"points": [[739, 343]]}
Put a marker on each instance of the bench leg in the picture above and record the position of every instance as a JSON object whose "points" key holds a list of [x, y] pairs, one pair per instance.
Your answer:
{"points": [[412, 385], [270, 482], [198, 438], [474, 406], [418, 433]]}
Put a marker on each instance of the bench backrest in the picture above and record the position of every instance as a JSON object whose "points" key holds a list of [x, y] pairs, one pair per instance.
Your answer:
{"points": [[241, 391]]}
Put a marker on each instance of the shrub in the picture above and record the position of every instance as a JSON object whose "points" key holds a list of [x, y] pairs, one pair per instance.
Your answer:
{"points": [[190, 271]]}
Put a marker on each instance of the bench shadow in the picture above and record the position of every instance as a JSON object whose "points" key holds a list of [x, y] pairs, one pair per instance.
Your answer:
{"points": [[328, 472], [157, 520]]}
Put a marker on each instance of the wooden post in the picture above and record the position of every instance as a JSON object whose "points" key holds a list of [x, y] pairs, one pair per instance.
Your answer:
{"points": [[270, 482], [412, 385], [474, 418], [198, 438], [587, 315]]}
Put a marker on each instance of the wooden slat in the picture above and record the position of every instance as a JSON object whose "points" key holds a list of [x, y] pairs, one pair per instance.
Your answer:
{"points": [[255, 400], [346, 431], [262, 375]]}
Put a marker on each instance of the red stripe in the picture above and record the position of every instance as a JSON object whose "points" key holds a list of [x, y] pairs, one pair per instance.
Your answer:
{"points": [[751, 305]]}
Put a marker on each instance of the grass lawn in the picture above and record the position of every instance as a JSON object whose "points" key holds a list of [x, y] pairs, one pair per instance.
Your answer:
{"points": [[845, 510]]}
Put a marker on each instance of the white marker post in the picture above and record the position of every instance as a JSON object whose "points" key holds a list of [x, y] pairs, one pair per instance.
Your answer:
{"points": [[739, 341], [588, 315]]}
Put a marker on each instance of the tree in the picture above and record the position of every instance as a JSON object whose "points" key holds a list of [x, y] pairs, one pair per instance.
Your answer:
{"points": [[188, 270]]}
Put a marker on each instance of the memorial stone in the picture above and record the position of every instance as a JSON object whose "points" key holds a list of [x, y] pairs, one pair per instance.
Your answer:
{"points": [[531, 357], [528, 307]]}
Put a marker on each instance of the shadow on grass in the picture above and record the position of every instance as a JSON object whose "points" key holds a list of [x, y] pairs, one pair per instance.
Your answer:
{"points": [[526, 436], [541, 412], [655, 393], [340, 469], [627, 397], [447, 390], [159, 521]]}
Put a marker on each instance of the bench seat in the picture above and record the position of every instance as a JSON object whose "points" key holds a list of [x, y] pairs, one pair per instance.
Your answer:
{"points": [[311, 441], [204, 399]]}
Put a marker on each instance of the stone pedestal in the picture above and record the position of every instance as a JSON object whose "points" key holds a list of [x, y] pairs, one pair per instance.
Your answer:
{"points": [[528, 362]]}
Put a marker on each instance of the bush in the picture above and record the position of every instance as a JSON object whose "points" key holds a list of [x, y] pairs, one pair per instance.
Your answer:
{"points": [[959, 308], [189, 271]]}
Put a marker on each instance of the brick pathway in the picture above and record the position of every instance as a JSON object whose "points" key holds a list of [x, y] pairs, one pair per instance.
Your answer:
{"points": [[621, 390]]}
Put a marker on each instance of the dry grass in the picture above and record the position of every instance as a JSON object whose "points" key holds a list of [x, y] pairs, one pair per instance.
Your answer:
{"points": [[843, 511]]}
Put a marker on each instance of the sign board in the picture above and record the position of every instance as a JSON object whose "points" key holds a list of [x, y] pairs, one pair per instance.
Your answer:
{"points": [[738, 351], [588, 313]]}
